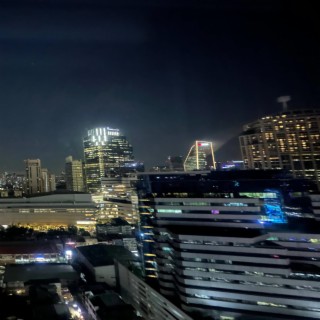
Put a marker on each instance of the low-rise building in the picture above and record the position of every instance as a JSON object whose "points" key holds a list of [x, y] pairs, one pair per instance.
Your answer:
{"points": [[99, 260], [17, 277], [49, 210], [30, 251]]}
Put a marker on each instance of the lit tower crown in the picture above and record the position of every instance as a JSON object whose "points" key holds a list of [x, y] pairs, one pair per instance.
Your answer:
{"points": [[100, 136], [200, 157]]}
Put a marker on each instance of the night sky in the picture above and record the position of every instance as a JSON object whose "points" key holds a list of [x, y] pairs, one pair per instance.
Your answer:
{"points": [[165, 72]]}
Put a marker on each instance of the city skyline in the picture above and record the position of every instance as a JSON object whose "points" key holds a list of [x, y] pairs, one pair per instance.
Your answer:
{"points": [[184, 156], [171, 71], [160, 159]]}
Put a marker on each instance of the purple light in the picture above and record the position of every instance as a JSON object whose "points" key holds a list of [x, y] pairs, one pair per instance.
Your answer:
{"points": [[215, 211]]}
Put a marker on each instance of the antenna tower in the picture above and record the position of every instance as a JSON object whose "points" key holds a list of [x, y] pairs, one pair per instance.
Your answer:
{"points": [[284, 100]]}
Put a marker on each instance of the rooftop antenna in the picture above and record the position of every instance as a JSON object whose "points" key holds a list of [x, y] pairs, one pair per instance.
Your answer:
{"points": [[284, 100]]}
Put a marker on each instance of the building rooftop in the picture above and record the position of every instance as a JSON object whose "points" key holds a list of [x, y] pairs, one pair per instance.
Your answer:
{"points": [[37, 271], [104, 255]]}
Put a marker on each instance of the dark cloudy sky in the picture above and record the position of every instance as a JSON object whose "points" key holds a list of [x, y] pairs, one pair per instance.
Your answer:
{"points": [[165, 72]]}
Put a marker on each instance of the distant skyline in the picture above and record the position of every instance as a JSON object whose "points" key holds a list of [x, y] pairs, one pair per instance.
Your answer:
{"points": [[165, 73]]}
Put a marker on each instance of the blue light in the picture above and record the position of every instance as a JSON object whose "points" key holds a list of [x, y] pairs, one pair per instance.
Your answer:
{"points": [[273, 208]]}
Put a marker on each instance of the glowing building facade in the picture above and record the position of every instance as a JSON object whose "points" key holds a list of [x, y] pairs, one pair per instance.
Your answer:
{"points": [[288, 140], [118, 198], [53, 210], [232, 244], [105, 150], [200, 157], [74, 175]]}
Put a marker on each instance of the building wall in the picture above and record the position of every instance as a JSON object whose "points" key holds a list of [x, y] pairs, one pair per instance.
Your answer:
{"points": [[106, 274], [221, 243], [150, 304], [90, 308], [241, 274], [49, 217]]}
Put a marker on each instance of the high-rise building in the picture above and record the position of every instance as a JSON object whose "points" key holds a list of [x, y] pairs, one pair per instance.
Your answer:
{"points": [[38, 179], [174, 163], [200, 157], [105, 150], [74, 175], [47, 180], [33, 176], [232, 244], [52, 182], [287, 140]]}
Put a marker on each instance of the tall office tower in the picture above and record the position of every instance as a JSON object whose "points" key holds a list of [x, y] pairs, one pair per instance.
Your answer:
{"points": [[33, 176], [200, 157], [232, 244], [105, 150], [45, 180], [52, 182], [48, 181], [74, 175], [287, 140]]}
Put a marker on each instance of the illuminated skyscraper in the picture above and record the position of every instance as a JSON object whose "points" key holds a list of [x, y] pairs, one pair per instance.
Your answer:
{"points": [[105, 150], [74, 175], [200, 157], [48, 181], [38, 179], [34, 176], [287, 140]]}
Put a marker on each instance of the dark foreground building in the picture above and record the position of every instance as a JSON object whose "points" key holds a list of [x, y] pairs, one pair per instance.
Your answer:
{"points": [[232, 245]]}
